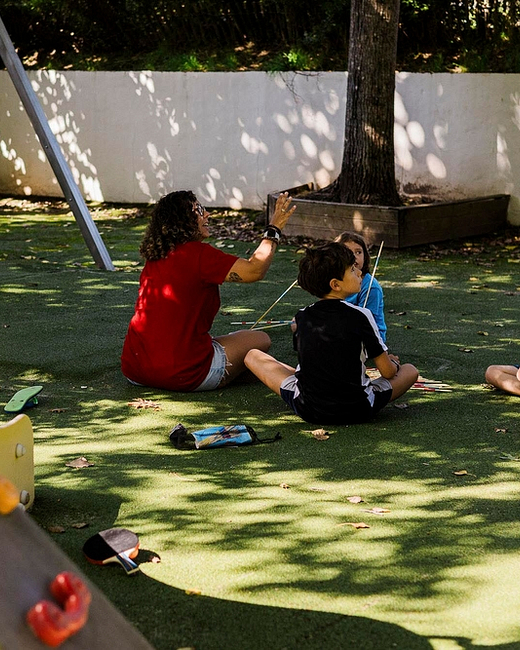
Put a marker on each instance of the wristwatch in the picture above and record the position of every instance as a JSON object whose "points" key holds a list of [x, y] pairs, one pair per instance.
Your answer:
{"points": [[272, 233]]}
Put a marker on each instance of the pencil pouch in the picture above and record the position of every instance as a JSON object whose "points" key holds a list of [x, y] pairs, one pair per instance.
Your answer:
{"points": [[229, 436]]}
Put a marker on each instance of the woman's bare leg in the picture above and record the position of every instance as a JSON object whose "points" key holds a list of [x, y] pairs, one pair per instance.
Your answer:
{"points": [[269, 370], [504, 377], [237, 345]]}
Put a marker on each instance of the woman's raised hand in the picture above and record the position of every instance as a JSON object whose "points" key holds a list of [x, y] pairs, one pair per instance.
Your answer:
{"points": [[282, 210]]}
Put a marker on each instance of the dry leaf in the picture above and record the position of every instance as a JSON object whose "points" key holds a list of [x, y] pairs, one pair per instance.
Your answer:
{"points": [[355, 499], [498, 430], [465, 350], [316, 489], [320, 434], [482, 333], [141, 403], [508, 457], [193, 592], [377, 511], [81, 524], [78, 463], [402, 405], [359, 524], [57, 410], [55, 529], [461, 472], [285, 486]]}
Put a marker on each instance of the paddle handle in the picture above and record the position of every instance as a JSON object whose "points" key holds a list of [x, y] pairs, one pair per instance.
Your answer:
{"points": [[127, 563]]}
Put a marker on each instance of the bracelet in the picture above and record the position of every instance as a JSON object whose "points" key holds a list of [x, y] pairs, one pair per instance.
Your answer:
{"points": [[275, 227], [272, 233], [397, 365]]}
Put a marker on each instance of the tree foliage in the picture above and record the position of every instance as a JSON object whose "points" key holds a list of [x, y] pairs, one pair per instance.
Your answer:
{"points": [[434, 35]]}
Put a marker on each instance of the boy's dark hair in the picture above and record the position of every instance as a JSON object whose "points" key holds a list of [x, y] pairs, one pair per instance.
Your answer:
{"points": [[174, 221], [323, 264], [347, 236]]}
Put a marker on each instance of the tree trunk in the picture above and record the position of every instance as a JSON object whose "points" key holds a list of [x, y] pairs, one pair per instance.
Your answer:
{"points": [[368, 169]]}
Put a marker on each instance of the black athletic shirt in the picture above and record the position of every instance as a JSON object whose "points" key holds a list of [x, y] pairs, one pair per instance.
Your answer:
{"points": [[333, 341]]}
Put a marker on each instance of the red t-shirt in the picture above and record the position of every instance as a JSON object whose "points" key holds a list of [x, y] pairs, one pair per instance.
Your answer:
{"points": [[168, 344]]}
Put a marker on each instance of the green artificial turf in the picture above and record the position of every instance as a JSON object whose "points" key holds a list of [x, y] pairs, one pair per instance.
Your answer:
{"points": [[254, 543]]}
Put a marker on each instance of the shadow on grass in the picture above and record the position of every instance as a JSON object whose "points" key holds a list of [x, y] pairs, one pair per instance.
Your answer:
{"points": [[63, 326]]}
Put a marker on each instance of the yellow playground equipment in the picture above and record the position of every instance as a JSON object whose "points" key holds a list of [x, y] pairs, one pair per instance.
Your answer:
{"points": [[17, 456]]}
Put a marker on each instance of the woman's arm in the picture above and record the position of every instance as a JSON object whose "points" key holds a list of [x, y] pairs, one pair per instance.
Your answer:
{"points": [[256, 266]]}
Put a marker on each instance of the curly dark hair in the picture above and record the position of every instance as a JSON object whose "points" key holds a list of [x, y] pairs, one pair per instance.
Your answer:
{"points": [[345, 237], [173, 221], [322, 264]]}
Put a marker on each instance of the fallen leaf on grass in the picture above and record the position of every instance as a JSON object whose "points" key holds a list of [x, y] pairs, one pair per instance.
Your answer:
{"points": [[482, 333], [359, 524], [57, 410], [56, 529], [465, 350], [320, 434], [498, 430], [461, 472], [141, 403], [80, 524], [317, 489], [193, 592], [377, 511], [78, 463], [402, 405], [355, 499], [508, 457], [285, 486]]}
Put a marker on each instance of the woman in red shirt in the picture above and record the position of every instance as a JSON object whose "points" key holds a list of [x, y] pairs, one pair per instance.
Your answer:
{"points": [[168, 343]]}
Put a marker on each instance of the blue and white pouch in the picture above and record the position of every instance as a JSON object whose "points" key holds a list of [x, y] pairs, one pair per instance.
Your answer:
{"points": [[232, 435]]}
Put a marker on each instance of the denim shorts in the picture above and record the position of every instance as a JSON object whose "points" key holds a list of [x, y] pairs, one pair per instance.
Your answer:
{"points": [[217, 369]]}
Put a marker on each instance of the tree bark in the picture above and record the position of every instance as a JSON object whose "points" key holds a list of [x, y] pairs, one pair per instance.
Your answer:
{"points": [[368, 168]]}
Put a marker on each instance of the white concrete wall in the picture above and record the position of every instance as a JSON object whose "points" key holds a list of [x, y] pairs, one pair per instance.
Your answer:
{"points": [[233, 137]]}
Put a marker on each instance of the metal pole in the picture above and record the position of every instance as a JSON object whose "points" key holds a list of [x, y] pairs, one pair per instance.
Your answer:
{"points": [[53, 152]]}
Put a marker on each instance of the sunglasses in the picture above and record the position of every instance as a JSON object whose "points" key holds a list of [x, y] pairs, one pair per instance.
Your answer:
{"points": [[200, 209]]}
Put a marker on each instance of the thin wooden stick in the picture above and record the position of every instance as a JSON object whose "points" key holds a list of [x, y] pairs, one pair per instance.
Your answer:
{"points": [[267, 327], [274, 303], [373, 273], [261, 322]]}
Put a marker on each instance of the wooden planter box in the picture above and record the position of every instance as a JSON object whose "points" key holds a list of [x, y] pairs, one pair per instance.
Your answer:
{"points": [[399, 227]]}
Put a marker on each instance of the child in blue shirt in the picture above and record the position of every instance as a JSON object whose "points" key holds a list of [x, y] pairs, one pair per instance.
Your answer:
{"points": [[375, 301]]}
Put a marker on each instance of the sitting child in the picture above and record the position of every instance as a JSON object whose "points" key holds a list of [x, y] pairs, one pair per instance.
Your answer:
{"points": [[334, 339], [371, 299], [504, 377]]}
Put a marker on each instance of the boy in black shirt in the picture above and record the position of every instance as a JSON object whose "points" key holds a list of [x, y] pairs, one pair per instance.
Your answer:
{"points": [[334, 339]]}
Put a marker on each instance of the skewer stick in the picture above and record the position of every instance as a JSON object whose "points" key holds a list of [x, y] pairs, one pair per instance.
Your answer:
{"points": [[373, 273], [274, 303], [260, 322], [267, 327]]}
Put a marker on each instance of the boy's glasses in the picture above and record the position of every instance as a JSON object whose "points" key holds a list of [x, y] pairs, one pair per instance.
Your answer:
{"points": [[200, 209]]}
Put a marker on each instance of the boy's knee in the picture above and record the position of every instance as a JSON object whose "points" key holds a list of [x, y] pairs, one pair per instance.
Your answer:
{"points": [[251, 357]]}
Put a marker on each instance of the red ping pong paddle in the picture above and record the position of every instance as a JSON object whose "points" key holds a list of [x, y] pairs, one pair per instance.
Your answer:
{"points": [[118, 545]]}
